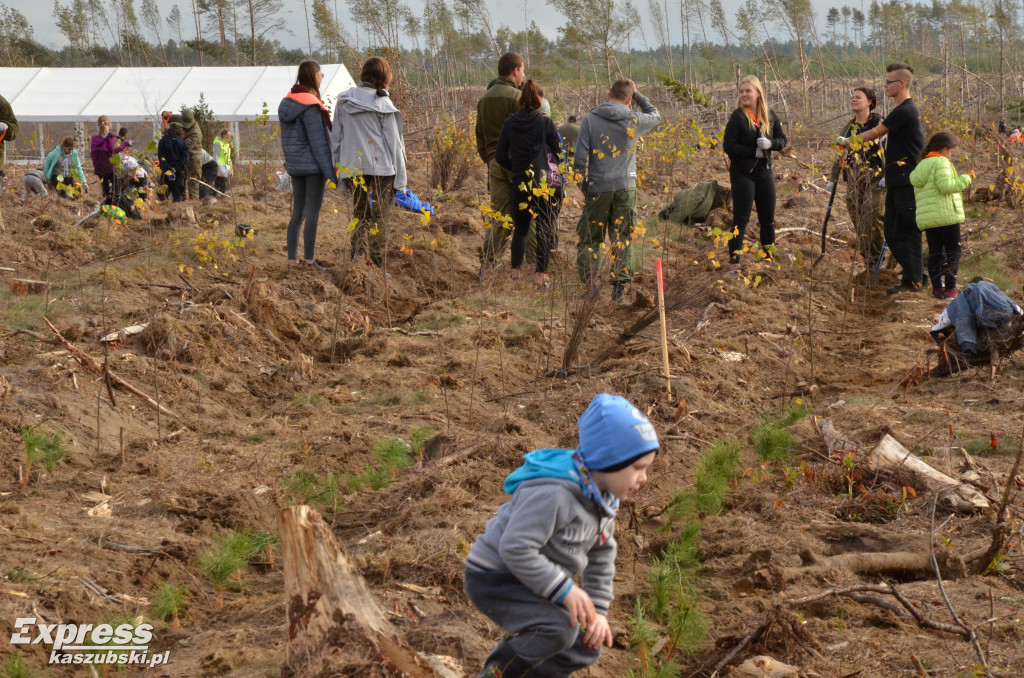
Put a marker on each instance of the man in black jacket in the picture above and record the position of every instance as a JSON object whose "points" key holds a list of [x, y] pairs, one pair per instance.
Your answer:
{"points": [[902, 150]]}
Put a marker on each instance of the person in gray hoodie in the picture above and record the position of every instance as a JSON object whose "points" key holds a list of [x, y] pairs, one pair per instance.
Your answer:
{"points": [[367, 145], [560, 525], [605, 158]]}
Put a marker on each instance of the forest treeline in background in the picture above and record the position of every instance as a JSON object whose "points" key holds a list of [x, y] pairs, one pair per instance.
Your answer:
{"points": [[691, 45]]}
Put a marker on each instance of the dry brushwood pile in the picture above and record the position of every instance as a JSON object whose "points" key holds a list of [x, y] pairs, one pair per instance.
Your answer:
{"points": [[172, 397]]}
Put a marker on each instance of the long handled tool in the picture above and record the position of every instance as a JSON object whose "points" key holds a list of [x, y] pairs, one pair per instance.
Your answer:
{"points": [[828, 212], [664, 329], [879, 262]]}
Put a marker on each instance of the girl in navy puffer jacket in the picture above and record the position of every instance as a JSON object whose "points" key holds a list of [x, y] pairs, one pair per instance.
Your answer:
{"points": [[305, 134]]}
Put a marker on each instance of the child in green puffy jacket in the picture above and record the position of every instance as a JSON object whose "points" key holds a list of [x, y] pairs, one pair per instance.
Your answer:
{"points": [[940, 210]]}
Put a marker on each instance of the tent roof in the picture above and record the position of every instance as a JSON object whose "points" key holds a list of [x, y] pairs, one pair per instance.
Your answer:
{"points": [[139, 94]]}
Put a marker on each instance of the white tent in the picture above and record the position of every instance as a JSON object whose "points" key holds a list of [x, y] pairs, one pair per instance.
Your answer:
{"points": [[139, 94]]}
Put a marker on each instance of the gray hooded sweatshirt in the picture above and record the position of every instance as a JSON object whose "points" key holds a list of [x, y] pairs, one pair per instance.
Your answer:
{"points": [[366, 137], [547, 535], [606, 147]]}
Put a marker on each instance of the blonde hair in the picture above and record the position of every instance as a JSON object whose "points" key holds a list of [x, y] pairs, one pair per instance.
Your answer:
{"points": [[762, 106]]}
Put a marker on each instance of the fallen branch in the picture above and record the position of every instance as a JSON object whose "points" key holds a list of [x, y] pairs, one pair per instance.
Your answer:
{"points": [[34, 335], [94, 366]]}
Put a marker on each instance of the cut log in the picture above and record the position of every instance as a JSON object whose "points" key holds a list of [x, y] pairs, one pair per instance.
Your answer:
{"points": [[125, 332], [328, 605], [890, 455], [21, 287], [764, 666], [914, 564]]}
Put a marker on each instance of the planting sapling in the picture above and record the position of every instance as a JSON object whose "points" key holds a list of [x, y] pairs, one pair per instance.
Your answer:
{"points": [[42, 447], [170, 603]]}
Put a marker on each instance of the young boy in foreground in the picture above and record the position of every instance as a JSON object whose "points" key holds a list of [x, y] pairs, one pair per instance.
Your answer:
{"points": [[559, 525]]}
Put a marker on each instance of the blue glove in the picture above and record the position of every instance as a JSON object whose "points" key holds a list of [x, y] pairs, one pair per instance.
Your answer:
{"points": [[407, 200]]}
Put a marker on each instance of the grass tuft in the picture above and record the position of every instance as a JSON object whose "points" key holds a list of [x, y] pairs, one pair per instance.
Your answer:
{"points": [[15, 667]]}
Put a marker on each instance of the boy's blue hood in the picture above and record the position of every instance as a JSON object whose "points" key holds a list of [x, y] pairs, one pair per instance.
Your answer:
{"points": [[546, 463]]}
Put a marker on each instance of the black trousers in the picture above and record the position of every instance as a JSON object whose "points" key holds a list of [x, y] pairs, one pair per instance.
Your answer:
{"points": [[902, 233], [752, 190], [943, 255], [107, 182], [543, 212]]}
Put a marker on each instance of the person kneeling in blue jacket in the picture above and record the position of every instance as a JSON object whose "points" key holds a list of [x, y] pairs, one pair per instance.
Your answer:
{"points": [[559, 525]]}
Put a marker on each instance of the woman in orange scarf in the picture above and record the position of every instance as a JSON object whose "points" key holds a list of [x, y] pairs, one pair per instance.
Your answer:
{"points": [[305, 138]]}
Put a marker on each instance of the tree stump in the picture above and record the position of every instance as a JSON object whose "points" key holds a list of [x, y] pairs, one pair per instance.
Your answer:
{"points": [[21, 287], [327, 603]]}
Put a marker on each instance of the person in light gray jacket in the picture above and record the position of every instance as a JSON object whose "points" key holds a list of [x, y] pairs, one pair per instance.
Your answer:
{"points": [[606, 160], [367, 145], [560, 525]]}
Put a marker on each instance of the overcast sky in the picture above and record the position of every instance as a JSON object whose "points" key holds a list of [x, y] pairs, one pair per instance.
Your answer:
{"points": [[40, 14]]}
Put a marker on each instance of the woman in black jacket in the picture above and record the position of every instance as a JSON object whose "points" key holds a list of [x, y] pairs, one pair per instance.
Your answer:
{"points": [[862, 170], [526, 138], [751, 135]]}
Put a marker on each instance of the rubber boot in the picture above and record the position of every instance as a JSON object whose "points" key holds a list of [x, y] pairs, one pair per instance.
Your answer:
{"points": [[503, 662]]}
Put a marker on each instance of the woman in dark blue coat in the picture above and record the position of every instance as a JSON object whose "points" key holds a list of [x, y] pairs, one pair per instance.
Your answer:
{"points": [[305, 137]]}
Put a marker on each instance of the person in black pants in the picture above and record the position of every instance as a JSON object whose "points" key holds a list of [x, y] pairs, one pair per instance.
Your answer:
{"points": [[751, 135], [902, 150], [527, 136]]}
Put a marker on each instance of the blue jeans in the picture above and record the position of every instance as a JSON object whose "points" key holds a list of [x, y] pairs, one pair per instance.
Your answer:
{"points": [[307, 198]]}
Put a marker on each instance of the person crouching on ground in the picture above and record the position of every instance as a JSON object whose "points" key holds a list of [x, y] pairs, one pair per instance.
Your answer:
{"points": [[64, 170], [104, 146], [367, 144], [559, 525], [940, 211], [752, 133], [605, 157], [174, 159], [526, 140]]}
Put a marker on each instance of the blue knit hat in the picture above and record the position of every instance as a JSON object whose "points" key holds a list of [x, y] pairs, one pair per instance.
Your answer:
{"points": [[613, 432]]}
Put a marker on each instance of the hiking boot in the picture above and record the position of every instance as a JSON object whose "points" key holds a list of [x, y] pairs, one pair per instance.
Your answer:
{"points": [[938, 293], [618, 293], [951, 293], [899, 289]]}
